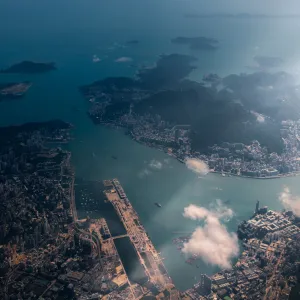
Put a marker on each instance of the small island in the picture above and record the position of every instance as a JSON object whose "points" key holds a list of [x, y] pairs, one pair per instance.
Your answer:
{"points": [[14, 90], [29, 67], [197, 43]]}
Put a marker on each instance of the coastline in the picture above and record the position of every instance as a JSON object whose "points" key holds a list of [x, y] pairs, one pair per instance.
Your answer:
{"points": [[252, 177], [227, 174], [182, 160]]}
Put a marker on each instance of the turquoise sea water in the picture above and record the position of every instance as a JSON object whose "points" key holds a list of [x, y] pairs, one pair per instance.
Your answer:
{"points": [[70, 33]]}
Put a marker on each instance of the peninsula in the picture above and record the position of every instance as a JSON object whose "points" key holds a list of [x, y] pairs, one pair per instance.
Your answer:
{"points": [[46, 251], [30, 67]]}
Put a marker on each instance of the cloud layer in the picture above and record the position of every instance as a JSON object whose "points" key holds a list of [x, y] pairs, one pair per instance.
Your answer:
{"points": [[221, 211], [144, 173], [155, 164], [259, 117], [96, 58], [212, 242], [123, 59], [196, 165], [290, 202]]}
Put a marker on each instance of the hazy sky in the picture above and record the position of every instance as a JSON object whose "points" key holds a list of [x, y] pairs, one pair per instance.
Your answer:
{"points": [[63, 13], [252, 6]]}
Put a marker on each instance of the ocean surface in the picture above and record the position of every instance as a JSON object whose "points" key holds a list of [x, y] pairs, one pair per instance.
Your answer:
{"points": [[70, 33]]}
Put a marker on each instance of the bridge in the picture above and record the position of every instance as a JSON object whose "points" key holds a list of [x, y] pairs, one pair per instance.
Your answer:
{"points": [[119, 236]]}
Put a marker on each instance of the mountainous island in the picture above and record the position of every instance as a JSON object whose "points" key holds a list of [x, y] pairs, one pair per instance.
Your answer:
{"points": [[243, 124], [30, 67]]}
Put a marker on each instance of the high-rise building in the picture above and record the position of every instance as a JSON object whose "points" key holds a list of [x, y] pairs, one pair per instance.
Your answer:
{"points": [[257, 207]]}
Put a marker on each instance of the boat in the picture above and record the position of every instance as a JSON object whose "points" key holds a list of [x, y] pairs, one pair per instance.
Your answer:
{"points": [[114, 157], [157, 204]]}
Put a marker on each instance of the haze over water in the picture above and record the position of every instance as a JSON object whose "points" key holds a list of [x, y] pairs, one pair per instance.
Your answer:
{"points": [[70, 35]]}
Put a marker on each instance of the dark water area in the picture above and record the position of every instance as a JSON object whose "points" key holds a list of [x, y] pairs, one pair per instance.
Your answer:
{"points": [[295, 292], [130, 260], [91, 201]]}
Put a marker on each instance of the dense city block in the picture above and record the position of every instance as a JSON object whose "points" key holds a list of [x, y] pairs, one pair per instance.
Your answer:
{"points": [[268, 267]]}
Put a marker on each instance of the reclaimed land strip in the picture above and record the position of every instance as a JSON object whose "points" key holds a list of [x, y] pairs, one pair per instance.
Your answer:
{"points": [[148, 256]]}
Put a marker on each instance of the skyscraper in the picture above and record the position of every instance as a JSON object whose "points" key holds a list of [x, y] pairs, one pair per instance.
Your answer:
{"points": [[257, 207]]}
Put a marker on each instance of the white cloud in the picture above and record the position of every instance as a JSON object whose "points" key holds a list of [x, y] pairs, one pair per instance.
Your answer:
{"points": [[96, 58], [144, 173], [167, 160], [259, 117], [221, 211], [196, 165], [290, 202], [212, 242], [155, 164], [123, 59]]}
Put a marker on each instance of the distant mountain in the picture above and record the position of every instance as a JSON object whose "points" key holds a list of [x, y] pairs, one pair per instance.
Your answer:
{"points": [[240, 15]]}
